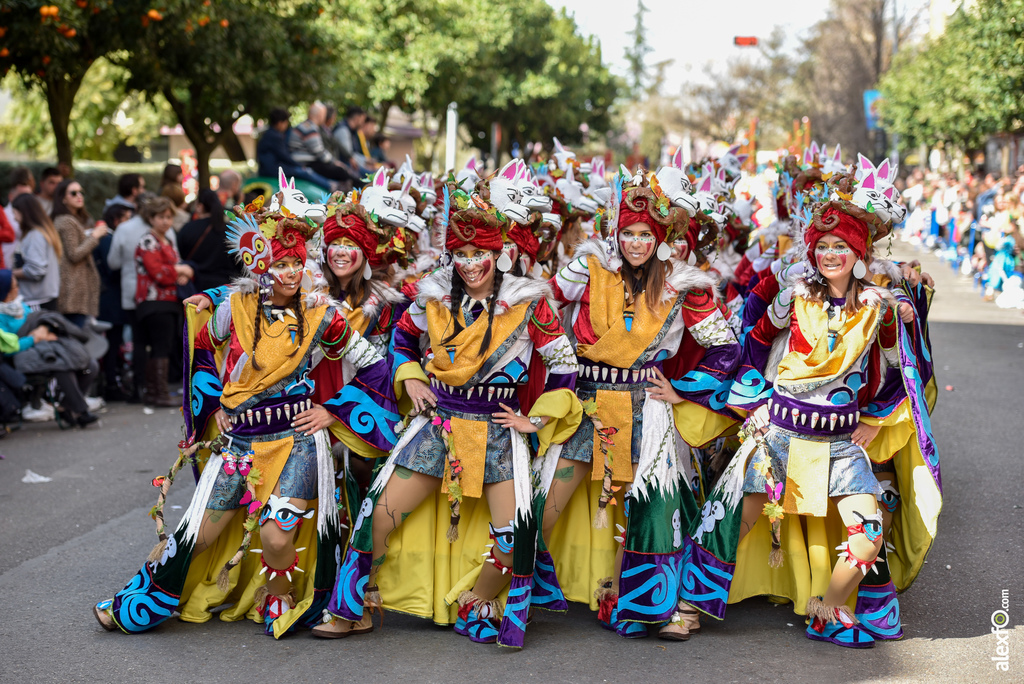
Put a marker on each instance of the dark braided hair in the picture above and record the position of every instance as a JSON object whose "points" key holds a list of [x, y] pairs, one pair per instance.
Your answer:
{"points": [[498, 278], [458, 290], [296, 305]]}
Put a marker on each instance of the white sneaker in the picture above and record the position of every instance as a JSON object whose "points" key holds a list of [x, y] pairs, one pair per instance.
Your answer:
{"points": [[39, 415], [95, 403]]}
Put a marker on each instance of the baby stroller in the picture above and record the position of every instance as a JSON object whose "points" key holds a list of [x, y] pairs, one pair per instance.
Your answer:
{"points": [[61, 372]]}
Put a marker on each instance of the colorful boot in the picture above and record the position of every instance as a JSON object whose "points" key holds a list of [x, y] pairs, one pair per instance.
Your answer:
{"points": [[684, 623], [101, 611], [835, 624], [271, 607], [608, 612], [547, 594], [477, 618], [878, 608]]}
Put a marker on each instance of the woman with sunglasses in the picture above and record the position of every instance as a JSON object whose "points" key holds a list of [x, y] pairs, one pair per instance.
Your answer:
{"points": [[79, 296]]}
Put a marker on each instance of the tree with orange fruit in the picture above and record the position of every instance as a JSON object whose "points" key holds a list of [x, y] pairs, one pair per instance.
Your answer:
{"points": [[52, 44]]}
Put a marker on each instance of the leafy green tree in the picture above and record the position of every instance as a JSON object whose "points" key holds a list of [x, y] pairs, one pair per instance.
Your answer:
{"points": [[52, 45], [214, 61], [637, 51], [546, 82], [965, 85], [104, 115]]}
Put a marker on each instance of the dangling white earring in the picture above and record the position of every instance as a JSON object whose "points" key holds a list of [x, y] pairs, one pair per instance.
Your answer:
{"points": [[538, 272], [504, 263], [691, 259], [859, 269], [664, 251], [367, 272]]}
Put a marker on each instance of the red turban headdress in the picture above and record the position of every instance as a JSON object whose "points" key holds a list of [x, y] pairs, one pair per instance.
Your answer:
{"points": [[474, 227], [288, 241], [638, 206], [852, 230], [353, 226], [525, 240]]}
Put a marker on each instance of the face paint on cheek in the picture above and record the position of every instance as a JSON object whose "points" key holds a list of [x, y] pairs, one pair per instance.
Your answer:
{"points": [[339, 251], [464, 264], [640, 243]]}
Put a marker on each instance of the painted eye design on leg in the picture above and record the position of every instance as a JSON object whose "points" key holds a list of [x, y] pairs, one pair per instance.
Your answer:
{"points": [[284, 513], [872, 525], [502, 537], [889, 498]]}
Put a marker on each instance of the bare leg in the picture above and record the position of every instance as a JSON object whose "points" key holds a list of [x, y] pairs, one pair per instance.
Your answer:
{"points": [[214, 522], [404, 492], [568, 475], [501, 498], [279, 549], [888, 480], [753, 506], [845, 578]]}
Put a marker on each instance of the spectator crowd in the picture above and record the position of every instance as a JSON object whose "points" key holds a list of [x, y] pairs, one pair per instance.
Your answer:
{"points": [[976, 223], [90, 307], [323, 149]]}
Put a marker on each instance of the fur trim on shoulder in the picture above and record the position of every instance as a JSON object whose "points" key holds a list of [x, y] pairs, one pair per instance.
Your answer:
{"points": [[316, 298], [683, 277], [888, 268], [879, 297], [800, 289], [436, 286], [245, 285], [517, 289], [598, 249], [380, 294]]}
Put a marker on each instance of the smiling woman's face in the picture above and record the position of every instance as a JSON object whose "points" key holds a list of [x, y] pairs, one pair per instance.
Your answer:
{"points": [[475, 265], [834, 258], [344, 257], [287, 274], [637, 243]]}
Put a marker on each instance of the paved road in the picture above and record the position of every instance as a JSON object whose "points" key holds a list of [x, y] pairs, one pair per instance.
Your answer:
{"points": [[76, 539]]}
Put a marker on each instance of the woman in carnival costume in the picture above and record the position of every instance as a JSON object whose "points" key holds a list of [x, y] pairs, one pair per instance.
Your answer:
{"points": [[628, 307], [812, 367], [254, 432], [358, 254], [468, 439]]}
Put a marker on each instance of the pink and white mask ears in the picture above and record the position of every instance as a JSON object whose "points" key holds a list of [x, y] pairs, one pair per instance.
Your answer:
{"points": [[380, 179], [282, 179], [509, 171], [677, 158]]}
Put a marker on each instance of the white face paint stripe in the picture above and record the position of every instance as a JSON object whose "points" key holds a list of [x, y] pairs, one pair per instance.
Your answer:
{"points": [[822, 250], [468, 262]]}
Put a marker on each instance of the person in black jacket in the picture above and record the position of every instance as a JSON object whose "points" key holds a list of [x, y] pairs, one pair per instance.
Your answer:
{"points": [[201, 244], [272, 152]]}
